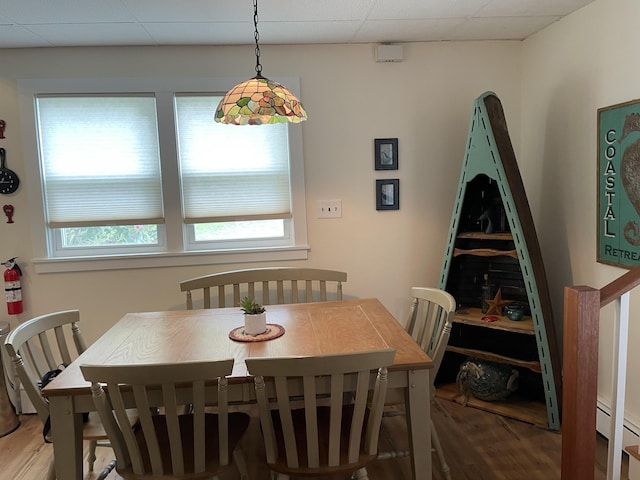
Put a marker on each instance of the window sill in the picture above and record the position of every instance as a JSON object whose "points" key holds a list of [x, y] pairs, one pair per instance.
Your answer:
{"points": [[155, 260]]}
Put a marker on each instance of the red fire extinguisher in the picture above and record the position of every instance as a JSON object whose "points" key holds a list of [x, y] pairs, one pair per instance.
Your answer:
{"points": [[12, 287]]}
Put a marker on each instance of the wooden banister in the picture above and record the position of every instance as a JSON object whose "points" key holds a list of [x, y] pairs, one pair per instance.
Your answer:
{"points": [[619, 286], [582, 305]]}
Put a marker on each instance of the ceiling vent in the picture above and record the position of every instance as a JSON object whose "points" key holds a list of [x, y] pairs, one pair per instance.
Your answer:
{"points": [[388, 52]]}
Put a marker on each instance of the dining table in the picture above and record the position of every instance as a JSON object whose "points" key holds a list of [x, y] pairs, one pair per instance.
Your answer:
{"points": [[303, 329]]}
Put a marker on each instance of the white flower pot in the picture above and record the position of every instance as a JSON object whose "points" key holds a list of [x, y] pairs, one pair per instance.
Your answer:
{"points": [[255, 324]]}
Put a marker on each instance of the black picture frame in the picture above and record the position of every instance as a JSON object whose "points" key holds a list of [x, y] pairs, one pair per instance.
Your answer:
{"points": [[386, 153], [388, 194]]}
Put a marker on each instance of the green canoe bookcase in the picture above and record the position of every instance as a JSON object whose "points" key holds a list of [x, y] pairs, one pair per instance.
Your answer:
{"points": [[509, 253]]}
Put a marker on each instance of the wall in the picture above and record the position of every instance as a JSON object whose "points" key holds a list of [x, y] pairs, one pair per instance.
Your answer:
{"points": [[585, 62], [425, 101]]}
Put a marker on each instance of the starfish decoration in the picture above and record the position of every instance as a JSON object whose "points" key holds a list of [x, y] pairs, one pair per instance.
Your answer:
{"points": [[496, 305]]}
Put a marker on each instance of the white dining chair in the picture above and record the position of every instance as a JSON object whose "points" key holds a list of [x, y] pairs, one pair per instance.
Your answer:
{"points": [[41, 345], [269, 285], [307, 427], [429, 324], [169, 444]]}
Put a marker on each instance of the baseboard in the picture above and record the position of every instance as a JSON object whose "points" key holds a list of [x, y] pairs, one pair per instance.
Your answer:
{"points": [[25, 403], [630, 432]]}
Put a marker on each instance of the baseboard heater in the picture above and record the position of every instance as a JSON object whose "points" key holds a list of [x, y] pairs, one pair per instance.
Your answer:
{"points": [[630, 433]]}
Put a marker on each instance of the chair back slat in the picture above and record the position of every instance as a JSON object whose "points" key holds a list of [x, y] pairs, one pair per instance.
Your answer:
{"points": [[332, 431], [357, 421], [236, 293], [294, 290], [168, 387], [207, 297], [171, 413], [146, 422], [323, 290], [269, 285], [268, 430], [61, 342], [311, 422]]}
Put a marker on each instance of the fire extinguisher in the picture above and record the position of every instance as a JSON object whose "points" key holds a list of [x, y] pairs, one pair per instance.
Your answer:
{"points": [[12, 287]]}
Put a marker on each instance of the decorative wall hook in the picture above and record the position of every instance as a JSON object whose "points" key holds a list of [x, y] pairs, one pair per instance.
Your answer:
{"points": [[3, 124], [8, 211]]}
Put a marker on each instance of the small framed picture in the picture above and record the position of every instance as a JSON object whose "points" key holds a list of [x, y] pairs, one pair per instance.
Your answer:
{"points": [[388, 194], [386, 157]]}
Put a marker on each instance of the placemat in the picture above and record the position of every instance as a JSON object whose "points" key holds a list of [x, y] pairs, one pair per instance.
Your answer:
{"points": [[273, 331]]}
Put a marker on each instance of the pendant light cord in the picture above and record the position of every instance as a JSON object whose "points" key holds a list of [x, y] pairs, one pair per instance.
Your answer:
{"points": [[256, 35]]}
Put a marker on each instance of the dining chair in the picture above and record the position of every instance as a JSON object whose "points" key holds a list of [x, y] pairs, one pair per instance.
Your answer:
{"points": [[167, 443], [41, 345], [309, 433], [429, 324], [270, 285]]}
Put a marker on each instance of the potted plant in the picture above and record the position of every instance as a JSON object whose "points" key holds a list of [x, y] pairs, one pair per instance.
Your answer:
{"points": [[255, 316]]}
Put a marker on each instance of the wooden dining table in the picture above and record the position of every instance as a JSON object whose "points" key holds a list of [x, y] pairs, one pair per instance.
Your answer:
{"points": [[178, 336]]}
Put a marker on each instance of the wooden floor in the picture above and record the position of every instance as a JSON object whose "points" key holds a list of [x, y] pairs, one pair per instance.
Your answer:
{"points": [[477, 445]]}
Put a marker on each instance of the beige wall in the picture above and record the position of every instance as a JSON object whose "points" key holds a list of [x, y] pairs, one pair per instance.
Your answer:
{"points": [[425, 102], [587, 61]]}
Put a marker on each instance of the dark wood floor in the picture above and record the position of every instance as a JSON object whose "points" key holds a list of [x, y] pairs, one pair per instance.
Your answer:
{"points": [[477, 445]]}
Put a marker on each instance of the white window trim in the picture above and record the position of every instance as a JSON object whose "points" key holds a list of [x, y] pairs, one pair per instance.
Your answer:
{"points": [[175, 255]]}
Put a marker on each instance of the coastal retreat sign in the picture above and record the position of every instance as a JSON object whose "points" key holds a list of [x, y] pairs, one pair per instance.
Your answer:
{"points": [[619, 184]]}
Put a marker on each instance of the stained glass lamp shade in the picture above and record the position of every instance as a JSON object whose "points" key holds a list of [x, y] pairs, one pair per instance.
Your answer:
{"points": [[259, 101]]}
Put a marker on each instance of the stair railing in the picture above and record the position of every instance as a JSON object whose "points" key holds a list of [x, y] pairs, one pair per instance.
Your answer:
{"points": [[582, 305]]}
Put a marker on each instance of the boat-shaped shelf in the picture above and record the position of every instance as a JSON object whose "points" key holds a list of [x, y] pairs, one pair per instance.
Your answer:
{"points": [[492, 232]]}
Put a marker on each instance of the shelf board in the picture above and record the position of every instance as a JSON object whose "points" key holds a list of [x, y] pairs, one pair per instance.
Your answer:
{"points": [[486, 236], [534, 366], [515, 406], [473, 316], [485, 252]]}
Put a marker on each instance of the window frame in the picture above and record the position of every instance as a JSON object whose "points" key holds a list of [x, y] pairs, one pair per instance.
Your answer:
{"points": [[177, 251]]}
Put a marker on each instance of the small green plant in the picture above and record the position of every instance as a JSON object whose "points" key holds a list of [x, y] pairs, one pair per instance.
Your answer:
{"points": [[250, 307]]}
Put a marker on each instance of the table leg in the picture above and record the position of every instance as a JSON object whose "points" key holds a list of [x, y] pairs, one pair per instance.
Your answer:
{"points": [[418, 408], [66, 427]]}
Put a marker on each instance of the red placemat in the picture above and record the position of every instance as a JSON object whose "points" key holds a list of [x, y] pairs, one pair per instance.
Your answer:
{"points": [[273, 331]]}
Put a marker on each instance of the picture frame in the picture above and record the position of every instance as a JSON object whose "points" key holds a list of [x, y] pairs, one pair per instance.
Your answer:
{"points": [[388, 194], [618, 219], [386, 153]]}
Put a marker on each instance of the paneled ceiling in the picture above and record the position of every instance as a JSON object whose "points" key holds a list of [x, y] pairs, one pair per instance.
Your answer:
{"points": [[57, 23]]}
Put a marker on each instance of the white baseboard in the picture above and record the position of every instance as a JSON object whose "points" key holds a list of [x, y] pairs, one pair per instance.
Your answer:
{"points": [[631, 430], [25, 403]]}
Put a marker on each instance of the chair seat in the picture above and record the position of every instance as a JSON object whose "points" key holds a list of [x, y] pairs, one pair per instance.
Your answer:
{"points": [[238, 423], [298, 417], [93, 429]]}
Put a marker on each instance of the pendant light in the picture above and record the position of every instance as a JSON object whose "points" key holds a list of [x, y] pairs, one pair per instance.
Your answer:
{"points": [[259, 100]]}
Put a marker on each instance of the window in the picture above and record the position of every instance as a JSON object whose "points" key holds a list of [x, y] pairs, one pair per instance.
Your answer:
{"points": [[100, 167], [141, 172], [250, 178]]}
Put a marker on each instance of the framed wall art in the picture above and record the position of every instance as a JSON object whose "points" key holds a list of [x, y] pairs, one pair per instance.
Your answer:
{"points": [[386, 153], [388, 194], [619, 184]]}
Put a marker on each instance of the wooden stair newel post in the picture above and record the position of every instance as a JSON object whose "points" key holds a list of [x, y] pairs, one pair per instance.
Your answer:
{"points": [[580, 368]]}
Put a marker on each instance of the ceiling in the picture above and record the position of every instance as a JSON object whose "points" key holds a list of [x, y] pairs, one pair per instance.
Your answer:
{"points": [[61, 23]]}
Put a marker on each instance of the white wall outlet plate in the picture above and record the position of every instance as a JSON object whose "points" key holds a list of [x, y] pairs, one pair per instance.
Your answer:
{"points": [[329, 209]]}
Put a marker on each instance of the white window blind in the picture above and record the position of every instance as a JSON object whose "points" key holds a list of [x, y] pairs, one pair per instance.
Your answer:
{"points": [[100, 160], [228, 172]]}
